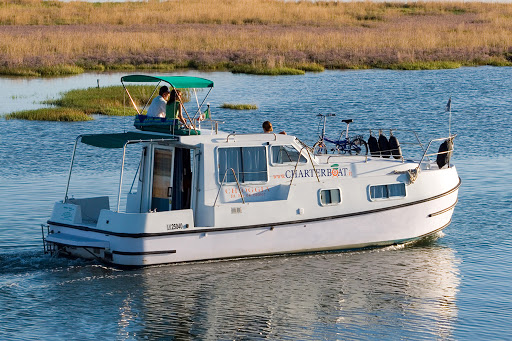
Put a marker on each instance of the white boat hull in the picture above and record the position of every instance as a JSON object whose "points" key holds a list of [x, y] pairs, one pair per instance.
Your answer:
{"points": [[396, 224]]}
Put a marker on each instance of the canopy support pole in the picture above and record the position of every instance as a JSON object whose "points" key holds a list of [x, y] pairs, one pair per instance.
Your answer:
{"points": [[189, 119], [131, 99], [204, 99], [71, 168], [121, 178]]}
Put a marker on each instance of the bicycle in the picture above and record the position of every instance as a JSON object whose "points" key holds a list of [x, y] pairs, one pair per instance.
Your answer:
{"points": [[356, 145]]}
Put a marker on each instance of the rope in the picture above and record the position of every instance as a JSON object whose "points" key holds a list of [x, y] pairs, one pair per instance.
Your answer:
{"points": [[411, 173]]}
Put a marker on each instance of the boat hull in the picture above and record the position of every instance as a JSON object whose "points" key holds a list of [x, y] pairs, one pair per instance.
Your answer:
{"points": [[386, 226]]}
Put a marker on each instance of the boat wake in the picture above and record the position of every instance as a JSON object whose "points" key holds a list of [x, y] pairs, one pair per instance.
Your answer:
{"points": [[12, 263]]}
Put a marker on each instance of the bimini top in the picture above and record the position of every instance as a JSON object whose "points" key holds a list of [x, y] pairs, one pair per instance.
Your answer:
{"points": [[181, 82]]}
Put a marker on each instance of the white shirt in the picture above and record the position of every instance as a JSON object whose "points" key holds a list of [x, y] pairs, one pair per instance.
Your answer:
{"points": [[157, 107]]}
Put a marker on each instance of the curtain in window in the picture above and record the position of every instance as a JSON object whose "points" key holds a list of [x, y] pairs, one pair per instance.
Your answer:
{"points": [[254, 163], [396, 190], [249, 164], [230, 158]]}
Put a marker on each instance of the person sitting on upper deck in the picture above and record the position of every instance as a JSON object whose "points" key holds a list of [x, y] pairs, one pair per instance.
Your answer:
{"points": [[267, 128], [174, 107], [157, 108]]}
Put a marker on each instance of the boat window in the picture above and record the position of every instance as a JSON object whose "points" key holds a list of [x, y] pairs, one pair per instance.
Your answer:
{"points": [[330, 196], [286, 154], [387, 191], [249, 164]]}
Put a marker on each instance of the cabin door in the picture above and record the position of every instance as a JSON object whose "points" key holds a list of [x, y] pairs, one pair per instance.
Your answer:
{"points": [[162, 188]]}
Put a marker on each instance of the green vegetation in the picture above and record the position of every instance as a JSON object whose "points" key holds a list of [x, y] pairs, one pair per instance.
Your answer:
{"points": [[111, 101], [239, 106], [79, 105], [266, 71], [46, 71], [50, 114]]}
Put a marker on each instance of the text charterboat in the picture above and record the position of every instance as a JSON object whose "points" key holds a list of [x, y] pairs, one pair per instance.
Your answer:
{"points": [[202, 194]]}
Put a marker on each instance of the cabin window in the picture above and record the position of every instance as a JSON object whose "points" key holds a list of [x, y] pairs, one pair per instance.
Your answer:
{"points": [[249, 164], [286, 154], [387, 191], [330, 196]]}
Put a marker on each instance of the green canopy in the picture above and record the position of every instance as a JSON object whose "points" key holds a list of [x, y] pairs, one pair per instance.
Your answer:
{"points": [[180, 82], [119, 140]]}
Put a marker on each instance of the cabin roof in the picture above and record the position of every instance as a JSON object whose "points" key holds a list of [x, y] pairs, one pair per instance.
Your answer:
{"points": [[181, 82], [119, 140]]}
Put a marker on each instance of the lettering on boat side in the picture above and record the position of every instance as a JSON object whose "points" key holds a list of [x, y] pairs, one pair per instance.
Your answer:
{"points": [[257, 191], [333, 172], [176, 226]]}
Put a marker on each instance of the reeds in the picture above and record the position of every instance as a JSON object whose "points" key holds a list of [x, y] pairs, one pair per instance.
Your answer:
{"points": [[50, 114], [239, 106], [79, 105], [259, 36], [111, 101]]}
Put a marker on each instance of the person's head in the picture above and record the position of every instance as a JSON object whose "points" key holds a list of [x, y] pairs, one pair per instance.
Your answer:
{"points": [[164, 91], [267, 127], [175, 95]]}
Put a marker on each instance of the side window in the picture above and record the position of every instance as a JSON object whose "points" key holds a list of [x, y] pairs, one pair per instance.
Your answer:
{"points": [[286, 154], [330, 196], [249, 164], [390, 191]]}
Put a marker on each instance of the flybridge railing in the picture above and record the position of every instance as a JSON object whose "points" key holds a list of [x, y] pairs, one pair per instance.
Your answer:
{"points": [[449, 151], [251, 134]]}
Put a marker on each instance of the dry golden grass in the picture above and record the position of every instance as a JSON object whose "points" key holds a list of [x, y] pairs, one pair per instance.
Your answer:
{"points": [[270, 33]]}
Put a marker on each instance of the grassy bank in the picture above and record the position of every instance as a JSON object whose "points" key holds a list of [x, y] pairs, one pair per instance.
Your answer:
{"points": [[50, 114], [239, 106], [79, 105], [252, 36]]}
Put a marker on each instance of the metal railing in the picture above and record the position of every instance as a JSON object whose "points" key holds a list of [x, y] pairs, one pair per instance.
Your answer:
{"points": [[450, 151], [235, 134]]}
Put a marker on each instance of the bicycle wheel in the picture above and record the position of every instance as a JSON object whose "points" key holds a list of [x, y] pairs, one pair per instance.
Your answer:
{"points": [[319, 148], [358, 146]]}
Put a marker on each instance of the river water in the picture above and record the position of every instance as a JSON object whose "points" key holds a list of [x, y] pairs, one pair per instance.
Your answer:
{"points": [[456, 286]]}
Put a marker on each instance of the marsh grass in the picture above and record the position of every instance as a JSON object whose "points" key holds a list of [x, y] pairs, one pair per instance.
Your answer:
{"points": [[79, 105], [111, 101], [239, 106], [266, 71], [50, 114], [255, 36]]}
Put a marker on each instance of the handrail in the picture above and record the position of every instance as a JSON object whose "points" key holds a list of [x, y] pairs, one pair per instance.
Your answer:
{"points": [[234, 134], [297, 163], [222, 184]]}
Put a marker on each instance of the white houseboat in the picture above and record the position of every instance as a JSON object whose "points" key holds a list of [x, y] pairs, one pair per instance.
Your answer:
{"points": [[202, 194]]}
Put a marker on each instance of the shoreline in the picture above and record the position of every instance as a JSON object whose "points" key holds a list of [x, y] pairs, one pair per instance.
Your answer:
{"points": [[69, 70], [39, 39]]}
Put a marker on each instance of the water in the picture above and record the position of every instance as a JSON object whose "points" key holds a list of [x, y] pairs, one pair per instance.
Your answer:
{"points": [[455, 286]]}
